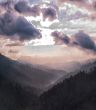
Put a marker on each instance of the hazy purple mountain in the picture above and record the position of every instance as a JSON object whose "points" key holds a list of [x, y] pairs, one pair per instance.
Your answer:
{"points": [[27, 75], [26, 87]]}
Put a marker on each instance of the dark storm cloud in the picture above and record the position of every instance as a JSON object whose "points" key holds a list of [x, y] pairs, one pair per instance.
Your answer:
{"points": [[60, 38], [25, 8], [15, 27], [49, 13], [83, 40]]}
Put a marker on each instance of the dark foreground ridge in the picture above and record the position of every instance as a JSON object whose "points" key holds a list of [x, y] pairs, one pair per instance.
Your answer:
{"points": [[19, 92]]}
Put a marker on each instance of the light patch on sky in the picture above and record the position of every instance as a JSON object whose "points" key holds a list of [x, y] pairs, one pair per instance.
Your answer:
{"points": [[46, 39]]}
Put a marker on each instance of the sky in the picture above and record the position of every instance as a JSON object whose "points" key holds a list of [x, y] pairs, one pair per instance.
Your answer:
{"points": [[48, 28]]}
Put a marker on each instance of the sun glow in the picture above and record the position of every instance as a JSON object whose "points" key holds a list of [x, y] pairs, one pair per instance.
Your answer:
{"points": [[48, 23], [44, 23], [46, 39]]}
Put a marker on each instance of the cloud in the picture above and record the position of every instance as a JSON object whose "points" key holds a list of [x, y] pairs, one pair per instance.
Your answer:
{"points": [[25, 8], [49, 13], [94, 5], [62, 1], [83, 40], [79, 39], [7, 4], [60, 38], [17, 27], [35, 1], [81, 1], [87, 4], [22, 7], [14, 44], [13, 51]]}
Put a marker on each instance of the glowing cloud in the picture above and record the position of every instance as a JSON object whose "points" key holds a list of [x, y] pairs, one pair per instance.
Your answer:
{"points": [[45, 40]]}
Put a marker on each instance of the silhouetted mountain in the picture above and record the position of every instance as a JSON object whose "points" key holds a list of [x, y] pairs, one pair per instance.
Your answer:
{"points": [[28, 75], [89, 66], [75, 93], [25, 87], [21, 84]]}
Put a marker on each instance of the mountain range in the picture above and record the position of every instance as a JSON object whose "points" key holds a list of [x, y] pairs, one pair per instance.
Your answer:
{"points": [[24, 86]]}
